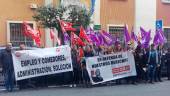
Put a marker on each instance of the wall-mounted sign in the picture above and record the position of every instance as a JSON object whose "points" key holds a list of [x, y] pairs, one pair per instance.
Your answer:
{"points": [[97, 27], [159, 24], [166, 1]]}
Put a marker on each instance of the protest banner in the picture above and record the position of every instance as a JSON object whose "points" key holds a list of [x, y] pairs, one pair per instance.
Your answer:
{"points": [[110, 67], [40, 62]]}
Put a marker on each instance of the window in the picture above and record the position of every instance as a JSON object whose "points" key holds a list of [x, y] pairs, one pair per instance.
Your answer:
{"points": [[70, 2], [167, 35], [117, 30], [15, 34]]}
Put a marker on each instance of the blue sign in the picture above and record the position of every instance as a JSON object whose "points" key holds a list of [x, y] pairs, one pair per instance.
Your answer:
{"points": [[159, 24]]}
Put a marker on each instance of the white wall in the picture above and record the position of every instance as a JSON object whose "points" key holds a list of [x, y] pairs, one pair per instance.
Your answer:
{"points": [[48, 41], [96, 17], [145, 15]]}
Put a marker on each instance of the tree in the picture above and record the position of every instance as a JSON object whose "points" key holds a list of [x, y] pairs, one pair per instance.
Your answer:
{"points": [[79, 16], [48, 17]]}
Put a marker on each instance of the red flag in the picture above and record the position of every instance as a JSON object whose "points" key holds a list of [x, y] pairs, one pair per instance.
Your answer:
{"points": [[58, 41], [52, 34], [66, 26], [38, 41], [76, 40], [39, 32], [30, 32], [84, 35]]}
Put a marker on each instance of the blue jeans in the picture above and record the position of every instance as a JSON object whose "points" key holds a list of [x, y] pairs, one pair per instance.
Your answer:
{"points": [[151, 72], [9, 80]]}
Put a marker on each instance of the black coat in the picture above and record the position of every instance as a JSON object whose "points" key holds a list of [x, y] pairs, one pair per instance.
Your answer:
{"points": [[6, 60], [167, 58]]}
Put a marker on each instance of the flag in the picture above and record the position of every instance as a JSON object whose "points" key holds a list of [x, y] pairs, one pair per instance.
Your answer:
{"points": [[90, 31], [66, 38], [133, 36], [52, 34], [58, 41], [162, 36], [126, 34], [66, 26], [159, 38], [76, 40], [93, 36], [30, 32], [39, 31], [94, 39], [84, 35], [143, 32], [156, 39], [100, 39], [108, 38], [92, 7], [145, 37], [145, 41]]}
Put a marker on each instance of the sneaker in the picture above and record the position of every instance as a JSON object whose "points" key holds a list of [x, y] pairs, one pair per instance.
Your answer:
{"points": [[74, 85], [71, 86]]}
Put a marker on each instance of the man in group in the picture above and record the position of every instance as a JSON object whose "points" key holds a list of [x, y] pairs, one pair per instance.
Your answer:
{"points": [[167, 59], [22, 83], [7, 67], [152, 63], [157, 76]]}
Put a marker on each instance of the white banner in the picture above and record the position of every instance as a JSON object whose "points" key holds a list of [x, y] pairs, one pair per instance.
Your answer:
{"points": [[110, 67], [33, 63]]}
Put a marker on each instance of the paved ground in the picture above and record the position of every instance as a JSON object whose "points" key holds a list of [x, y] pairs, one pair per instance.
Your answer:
{"points": [[157, 89]]}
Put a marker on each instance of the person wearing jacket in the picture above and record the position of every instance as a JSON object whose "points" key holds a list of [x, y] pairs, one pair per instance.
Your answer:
{"points": [[167, 59], [152, 63], [7, 67], [157, 76]]}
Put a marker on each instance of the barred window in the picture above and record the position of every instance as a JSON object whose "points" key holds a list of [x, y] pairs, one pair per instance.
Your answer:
{"points": [[17, 35], [167, 35], [117, 30]]}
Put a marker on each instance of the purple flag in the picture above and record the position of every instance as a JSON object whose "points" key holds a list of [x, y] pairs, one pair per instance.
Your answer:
{"points": [[159, 38], [133, 36], [143, 32], [108, 38], [156, 39], [90, 31], [94, 39], [66, 37], [146, 40], [126, 34], [93, 36], [100, 39], [162, 37]]}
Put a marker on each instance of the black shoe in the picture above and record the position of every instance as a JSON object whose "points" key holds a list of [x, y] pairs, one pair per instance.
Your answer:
{"points": [[151, 82], [134, 83]]}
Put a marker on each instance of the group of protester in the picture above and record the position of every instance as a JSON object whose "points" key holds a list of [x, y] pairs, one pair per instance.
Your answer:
{"points": [[148, 62]]}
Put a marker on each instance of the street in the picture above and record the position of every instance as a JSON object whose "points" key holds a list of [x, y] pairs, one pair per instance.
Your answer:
{"points": [[157, 89]]}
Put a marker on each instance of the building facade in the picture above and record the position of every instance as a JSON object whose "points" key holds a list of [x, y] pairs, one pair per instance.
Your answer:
{"points": [[163, 8], [112, 15], [12, 13]]}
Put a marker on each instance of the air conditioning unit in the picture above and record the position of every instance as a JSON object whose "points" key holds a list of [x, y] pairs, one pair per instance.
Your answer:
{"points": [[33, 6]]}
